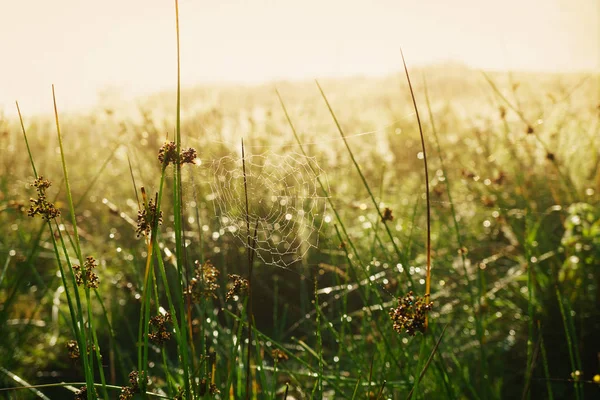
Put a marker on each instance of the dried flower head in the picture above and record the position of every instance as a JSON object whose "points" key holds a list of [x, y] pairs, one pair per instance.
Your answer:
{"points": [[73, 349], [179, 395], [488, 201], [468, 174], [78, 274], [204, 283], [238, 286], [41, 206], [88, 276], [213, 389], [42, 185], [148, 218], [134, 377], [411, 313], [387, 215], [167, 154], [81, 394], [279, 355], [499, 179], [502, 111], [160, 334], [74, 352], [188, 156], [127, 392]]}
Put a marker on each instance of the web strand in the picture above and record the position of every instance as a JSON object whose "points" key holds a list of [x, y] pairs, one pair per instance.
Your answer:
{"points": [[285, 204]]}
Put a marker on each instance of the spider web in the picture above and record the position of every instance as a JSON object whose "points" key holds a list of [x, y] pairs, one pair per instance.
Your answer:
{"points": [[285, 208]]}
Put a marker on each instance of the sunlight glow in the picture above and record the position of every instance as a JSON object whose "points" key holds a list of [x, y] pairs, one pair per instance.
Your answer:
{"points": [[113, 49]]}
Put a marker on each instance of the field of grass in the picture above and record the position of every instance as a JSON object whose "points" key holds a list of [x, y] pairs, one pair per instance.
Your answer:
{"points": [[302, 241]]}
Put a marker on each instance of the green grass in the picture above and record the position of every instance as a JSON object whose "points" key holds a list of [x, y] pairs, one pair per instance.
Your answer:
{"points": [[504, 236]]}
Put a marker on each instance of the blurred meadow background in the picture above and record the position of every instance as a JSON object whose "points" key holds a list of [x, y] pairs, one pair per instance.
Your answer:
{"points": [[311, 230]]}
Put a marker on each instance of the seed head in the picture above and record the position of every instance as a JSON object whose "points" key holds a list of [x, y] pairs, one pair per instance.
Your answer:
{"points": [[502, 111], [499, 179], [127, 392], [279, 355], [238, 286], [73, 349], [387, 215], [204, 283], [167, 154], [411, 313], [148, 218], [81, 394], [160, 334], [188, 156], [213, 389], [41, 206], [88, 276]]}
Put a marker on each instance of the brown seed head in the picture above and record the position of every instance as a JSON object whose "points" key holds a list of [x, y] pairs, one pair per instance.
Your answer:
{"points": [[279, 355], [160, 335], [41, 206], [411, 314], [167, 154], [387, 215], [188, 156], [73, 349], [238, 285], [148, 218], [204, 283]]}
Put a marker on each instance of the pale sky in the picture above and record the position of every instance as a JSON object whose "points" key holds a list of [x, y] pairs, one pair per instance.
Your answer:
{"points": [[82, 46]]}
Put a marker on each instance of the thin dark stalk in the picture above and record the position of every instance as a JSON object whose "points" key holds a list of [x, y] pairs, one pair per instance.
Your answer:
{"points": [[371, 373], [250, 262], [381, 390], [412, 94], [287, 388], [137, 197]]}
